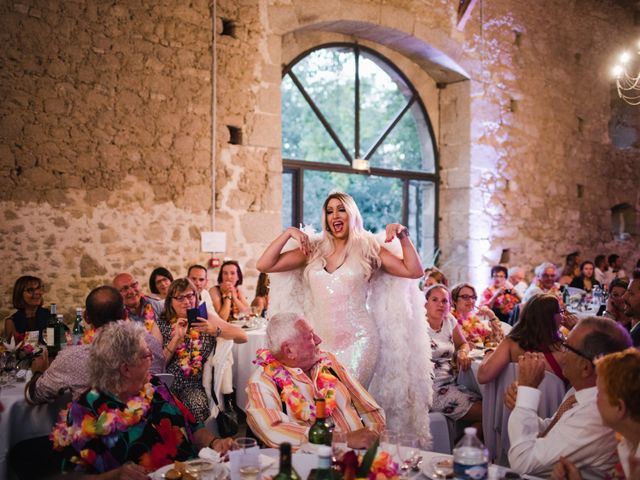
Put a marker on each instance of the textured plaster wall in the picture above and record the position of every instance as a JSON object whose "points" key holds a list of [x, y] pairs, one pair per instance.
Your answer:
{"points": [[106, 129]]}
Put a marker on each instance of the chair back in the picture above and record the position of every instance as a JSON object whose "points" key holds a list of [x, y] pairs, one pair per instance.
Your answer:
{"points": [[166, 378], [495, 415]]}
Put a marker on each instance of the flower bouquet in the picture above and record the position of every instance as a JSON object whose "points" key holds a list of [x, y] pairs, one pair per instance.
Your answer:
{"points": [[23, 352], [373, 465]]}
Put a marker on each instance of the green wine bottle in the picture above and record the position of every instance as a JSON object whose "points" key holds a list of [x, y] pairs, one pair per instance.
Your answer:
{"points": [[287, 472], [320, 432]]}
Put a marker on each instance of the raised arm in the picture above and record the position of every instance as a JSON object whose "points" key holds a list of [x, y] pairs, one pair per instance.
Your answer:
{"points": [[494, 363], [409, 266], [273, 260]]}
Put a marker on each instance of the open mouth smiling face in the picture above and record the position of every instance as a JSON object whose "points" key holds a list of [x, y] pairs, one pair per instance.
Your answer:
{"points": [[337, 218]]}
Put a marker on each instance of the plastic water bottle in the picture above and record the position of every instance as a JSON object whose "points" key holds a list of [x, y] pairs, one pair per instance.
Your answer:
{"points": [[470, 457]]}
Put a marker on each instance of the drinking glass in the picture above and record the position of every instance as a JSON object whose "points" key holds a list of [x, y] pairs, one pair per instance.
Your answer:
{"points": [[389, 442], [441, 467], [248, 461], [408, 452], [338, 445]]}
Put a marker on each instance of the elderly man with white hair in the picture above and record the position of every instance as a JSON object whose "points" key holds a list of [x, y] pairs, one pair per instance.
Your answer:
{"points": [[293, 372], [545, 282], [516, 278]]}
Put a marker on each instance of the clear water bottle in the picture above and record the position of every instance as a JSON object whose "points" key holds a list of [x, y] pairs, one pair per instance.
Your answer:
{"points": [[470, 457]]}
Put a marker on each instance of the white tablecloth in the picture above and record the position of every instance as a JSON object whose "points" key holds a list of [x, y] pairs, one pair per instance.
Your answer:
{"points": [[21, 421], [243, 356]]}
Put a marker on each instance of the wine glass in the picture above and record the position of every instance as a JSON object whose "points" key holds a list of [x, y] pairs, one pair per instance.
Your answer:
{"points": [[408, 450], [441, 467], [248, 461], [389, 442]]}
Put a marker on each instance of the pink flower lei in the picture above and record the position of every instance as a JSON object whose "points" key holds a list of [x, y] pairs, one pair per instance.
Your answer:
{"points": [[291, 394]]}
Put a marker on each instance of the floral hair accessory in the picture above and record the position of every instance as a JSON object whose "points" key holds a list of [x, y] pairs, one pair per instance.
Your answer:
{"points": [[289, 392]]}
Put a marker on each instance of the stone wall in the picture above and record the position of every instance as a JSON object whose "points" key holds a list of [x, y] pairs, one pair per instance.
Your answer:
{"points": [[106, 129]]}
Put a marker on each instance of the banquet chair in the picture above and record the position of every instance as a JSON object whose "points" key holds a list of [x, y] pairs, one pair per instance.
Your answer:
{"points": [[495, 415], [166, 378], [442, 432], [212, 374]]}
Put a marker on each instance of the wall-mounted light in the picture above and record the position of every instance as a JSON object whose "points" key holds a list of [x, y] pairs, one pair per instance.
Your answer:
{"points": [[360, 164]]}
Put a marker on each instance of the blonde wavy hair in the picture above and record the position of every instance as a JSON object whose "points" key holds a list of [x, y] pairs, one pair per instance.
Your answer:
{"points": [[360, 243]]}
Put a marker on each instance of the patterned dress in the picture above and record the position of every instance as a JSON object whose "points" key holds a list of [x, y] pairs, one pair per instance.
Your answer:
{"points": [[452, 400], [163, 435], [189, 389]]}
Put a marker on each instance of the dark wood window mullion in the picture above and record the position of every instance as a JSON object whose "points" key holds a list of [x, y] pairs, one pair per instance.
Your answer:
{"points": [[357, 104], [405, 202], [321, 117], [390, 127]]}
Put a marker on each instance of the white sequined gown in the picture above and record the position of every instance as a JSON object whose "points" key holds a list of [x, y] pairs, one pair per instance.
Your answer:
{"points": [[339, 316]]}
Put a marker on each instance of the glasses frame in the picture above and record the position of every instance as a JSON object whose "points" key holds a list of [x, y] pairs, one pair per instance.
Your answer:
{"points": [[188, 296], [566, 346]]}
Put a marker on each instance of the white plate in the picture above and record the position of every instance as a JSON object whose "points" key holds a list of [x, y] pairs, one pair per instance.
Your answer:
{"points": [[220, 471]]}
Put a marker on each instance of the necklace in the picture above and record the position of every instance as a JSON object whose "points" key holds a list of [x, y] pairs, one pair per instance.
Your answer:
{"points": [[87, 425], [289, 391], [189, 352]]}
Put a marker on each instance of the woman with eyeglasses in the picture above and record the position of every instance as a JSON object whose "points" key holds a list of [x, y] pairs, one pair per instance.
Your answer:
{"points": [[448, 343], [501, 296], [187, 346], [29, 315], [538, 330], [469, 317]]}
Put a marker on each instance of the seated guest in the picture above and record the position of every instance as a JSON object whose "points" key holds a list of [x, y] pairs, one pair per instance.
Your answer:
{"points": [[260, 304], [200, 277], [448, 342], [501, 296], [140, 308], [576, 431], [632, 302], [618, 386], [70, 369], [150, 427], [517, 279], [571, 268], [293, 372], [616, 307], [615, 263], [537, 331], [545, 282], [464, 304], [29, 315], [434, 276], [586, 280], [228, 300], [188, 346], [602, 270], [159, 282]]}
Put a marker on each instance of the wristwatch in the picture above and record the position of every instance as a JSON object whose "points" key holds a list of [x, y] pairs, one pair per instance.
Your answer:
{"points": [[403, 233], [218, 332]]}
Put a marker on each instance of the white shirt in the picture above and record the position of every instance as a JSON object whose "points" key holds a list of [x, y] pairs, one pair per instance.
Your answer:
{"points": [[625, 451], [579, 435], [601, 277], [521, 287], [205, 297]]}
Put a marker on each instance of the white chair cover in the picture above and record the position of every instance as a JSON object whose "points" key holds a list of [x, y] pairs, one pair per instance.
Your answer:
{"points": [[441, 432], [495, 415], [216, 364]]}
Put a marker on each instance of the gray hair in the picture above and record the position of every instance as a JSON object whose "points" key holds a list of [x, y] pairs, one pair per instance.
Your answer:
{"points": [[281, 328], [606, 336], [514, 270], [542, 267], [114, 344]]}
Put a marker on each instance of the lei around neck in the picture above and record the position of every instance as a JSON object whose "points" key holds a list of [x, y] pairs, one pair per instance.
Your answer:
{"points": [[301, 408]]}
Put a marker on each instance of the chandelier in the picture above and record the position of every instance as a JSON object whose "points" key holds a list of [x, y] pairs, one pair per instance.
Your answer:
{"points": [[628, 84]]}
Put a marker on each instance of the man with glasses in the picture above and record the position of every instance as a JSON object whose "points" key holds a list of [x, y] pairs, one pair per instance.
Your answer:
{"points": [[631, 300], [576, 431], [545, 282], [135, 302]]}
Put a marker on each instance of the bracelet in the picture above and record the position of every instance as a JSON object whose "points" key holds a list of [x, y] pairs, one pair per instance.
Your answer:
{"points": [[218, 332], [227, 297], [403, 233]]}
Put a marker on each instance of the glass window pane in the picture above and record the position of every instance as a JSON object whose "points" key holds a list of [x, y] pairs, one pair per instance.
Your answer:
{"points": [[421, 224], [379, 198], [304, 137], [407, 147], [287, 199], [328, 76], [381, 100]]}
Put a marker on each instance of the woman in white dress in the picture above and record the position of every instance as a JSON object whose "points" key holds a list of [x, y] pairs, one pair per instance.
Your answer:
{"points": [[340, 268]]}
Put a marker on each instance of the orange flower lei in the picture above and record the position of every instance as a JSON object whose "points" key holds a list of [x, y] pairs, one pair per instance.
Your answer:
{"points": [[291, 394], [189, 352], [86, 426]]}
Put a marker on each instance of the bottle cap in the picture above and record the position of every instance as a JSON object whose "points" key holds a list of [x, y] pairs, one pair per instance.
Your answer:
{"points": [[470, 431], [79, 310]]}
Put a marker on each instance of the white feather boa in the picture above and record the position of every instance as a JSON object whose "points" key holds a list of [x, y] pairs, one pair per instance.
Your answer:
{"points": [[402, 382]]}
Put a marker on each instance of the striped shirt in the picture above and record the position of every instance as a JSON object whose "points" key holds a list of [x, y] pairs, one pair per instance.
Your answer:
{"points": [[355, 408]]}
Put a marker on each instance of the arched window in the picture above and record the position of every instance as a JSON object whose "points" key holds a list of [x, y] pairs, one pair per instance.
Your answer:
{"points": [[344, 105]]}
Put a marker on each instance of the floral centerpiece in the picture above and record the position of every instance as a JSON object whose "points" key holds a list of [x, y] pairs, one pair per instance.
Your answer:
{"points": [[22, 350], [373, 465]]}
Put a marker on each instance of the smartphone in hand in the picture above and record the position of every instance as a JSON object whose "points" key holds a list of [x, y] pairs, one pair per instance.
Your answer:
{"points": [[192, 315]]}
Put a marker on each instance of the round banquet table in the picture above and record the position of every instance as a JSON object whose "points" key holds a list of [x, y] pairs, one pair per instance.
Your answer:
{"points": [[243, 367]]}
